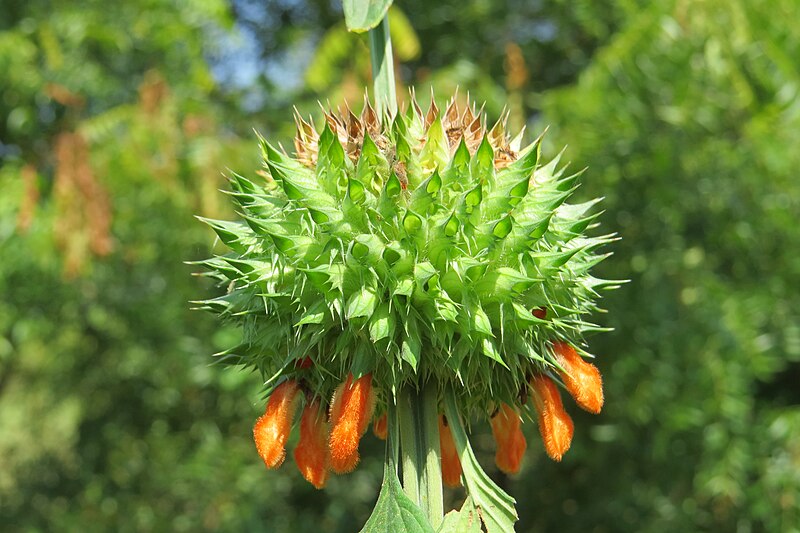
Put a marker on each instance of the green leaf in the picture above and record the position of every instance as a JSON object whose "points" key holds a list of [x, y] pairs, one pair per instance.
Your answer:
{"points": [[501, 283], [394, 511], [382, 323], [236, 235], [393, 186], [451, 226], [412, 222], [473, 198], [313, 315], [483, 163], [404, 287], [467, 520], [490, 351], [423, 272], [363, 15], [355, 190], [412, 346], [503, 227], [480, 322], [361, 304], [496, 507]]}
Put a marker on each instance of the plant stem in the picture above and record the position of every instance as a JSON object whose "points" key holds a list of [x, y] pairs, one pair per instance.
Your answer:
{"points": [[418, 415], [380, 51]]}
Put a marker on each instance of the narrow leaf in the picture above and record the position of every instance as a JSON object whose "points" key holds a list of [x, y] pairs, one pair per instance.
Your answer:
{"points": [[496, 507]]}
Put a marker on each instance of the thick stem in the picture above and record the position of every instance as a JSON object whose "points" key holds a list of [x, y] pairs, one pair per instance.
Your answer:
{"points": [[418, 415], [380, 51]]}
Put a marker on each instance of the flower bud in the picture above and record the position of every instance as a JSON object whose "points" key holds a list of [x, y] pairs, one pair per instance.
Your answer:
{"points": [[451, 464], [582, 379], [511, 443], [351, 410], [311, 454], [380, 427], [273, 427], [555, 425]]}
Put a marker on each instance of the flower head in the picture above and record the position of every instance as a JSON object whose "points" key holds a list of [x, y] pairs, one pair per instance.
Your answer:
{"points": [[422, 244], [555, 424], [273, 427], [511, 443], [311, 454]]}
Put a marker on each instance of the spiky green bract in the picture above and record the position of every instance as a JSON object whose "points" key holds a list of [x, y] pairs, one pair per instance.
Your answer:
{"points": [[410, 256]]}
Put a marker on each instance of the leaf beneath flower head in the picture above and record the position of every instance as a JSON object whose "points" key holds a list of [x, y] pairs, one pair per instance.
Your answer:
{"points": [[495, 506], [394, 511], [467, 520]]}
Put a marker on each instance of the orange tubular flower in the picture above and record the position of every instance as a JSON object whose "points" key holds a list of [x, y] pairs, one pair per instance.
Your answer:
{"points": [[273, 427], [311, 454], [380, 427], [555, 425], [351, 410], [582, 379], [511, 443], [451, 464]]}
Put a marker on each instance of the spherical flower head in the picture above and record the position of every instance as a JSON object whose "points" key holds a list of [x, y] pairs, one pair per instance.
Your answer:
{"points": [[409, 247], [350, 414], [555, 425], [272, 429], [511, 443], [451, 464], [311, 453], [581, 378]]}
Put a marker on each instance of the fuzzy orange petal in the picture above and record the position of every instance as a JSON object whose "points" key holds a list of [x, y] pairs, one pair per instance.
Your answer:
{"points": [[451, 464], [351, 410], [582, 379], [555, 424], [380, 427], [511, 443], [273, 427], [311, 454]]}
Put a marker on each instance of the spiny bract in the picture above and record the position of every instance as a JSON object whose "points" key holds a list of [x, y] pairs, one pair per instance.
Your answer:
{"points": [[413, 247]]}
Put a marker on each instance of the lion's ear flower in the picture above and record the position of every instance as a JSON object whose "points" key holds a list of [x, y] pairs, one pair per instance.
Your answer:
{"points": [[273, 427], [351, 411], [581, 378], [555, 424], [311, 454], [380, 427], [451, 464], [511, 443]]}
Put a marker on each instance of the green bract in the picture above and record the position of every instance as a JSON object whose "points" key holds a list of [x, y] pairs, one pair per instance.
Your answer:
{"points": [[414, 247]]}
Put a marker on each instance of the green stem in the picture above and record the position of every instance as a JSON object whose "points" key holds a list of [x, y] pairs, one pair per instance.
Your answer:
{"points": [[380, 51], [418, 414]]}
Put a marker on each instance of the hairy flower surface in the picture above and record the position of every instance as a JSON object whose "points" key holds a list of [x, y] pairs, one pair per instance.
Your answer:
{"points": [[423, 246], [311, 454], [511, 443], [581, 378], [273, 427], [351, 411], [555, 424]]}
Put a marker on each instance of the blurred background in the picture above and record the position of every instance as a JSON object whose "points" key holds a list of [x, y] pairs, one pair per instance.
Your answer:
{"points": [[118, 121]]}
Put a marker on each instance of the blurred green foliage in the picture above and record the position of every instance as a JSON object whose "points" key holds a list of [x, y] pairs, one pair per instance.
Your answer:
{"points": [[114, 131]]}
